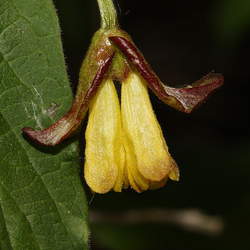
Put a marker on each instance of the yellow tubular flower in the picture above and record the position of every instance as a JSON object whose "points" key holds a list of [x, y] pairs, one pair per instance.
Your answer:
{"points": [[124, 143], [148, 161], [127, 150], [104, 153]]}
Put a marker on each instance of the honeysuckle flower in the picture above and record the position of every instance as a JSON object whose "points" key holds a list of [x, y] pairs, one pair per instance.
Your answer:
{"points": [[125, 146], [148, 162]]}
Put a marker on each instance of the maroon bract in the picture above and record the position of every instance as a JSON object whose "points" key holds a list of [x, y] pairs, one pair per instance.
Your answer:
{"points": [[124, 142], [184, 99], [63, 128]]}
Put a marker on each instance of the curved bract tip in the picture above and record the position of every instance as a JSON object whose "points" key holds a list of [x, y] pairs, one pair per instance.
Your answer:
{"points": [[64, 127], [50, 136], [184, 99], [192, 96]]}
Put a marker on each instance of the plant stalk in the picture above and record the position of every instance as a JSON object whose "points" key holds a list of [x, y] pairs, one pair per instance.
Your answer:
{"points": [[108, 14]]}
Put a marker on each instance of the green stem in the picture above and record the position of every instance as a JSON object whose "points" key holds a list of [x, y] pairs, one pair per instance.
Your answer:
{"points": [[108, 14]]}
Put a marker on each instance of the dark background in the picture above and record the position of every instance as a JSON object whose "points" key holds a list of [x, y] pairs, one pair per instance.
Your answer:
{"points": [[183, 40]]}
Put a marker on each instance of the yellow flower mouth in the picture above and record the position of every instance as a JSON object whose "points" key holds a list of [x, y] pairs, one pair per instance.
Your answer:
{"points": [[124, 142], [125, 145]]}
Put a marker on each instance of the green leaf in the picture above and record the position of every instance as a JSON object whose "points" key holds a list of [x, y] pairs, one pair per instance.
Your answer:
{"points": [[42, 202], [233, 19]]}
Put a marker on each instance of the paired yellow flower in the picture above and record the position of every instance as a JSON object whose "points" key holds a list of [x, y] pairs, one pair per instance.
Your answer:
{"points": [[125, 146], [124, 142]]}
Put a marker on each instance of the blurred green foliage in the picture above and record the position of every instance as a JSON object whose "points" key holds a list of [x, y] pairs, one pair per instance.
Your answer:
{"points": [[233, 19]]}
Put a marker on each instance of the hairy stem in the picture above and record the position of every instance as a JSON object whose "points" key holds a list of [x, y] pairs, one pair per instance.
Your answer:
{"points": [[108, 14]]}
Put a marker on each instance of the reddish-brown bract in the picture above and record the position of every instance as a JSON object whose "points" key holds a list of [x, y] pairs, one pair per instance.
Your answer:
{"points": [[184, 99], [98, 63], [72, 119]]}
